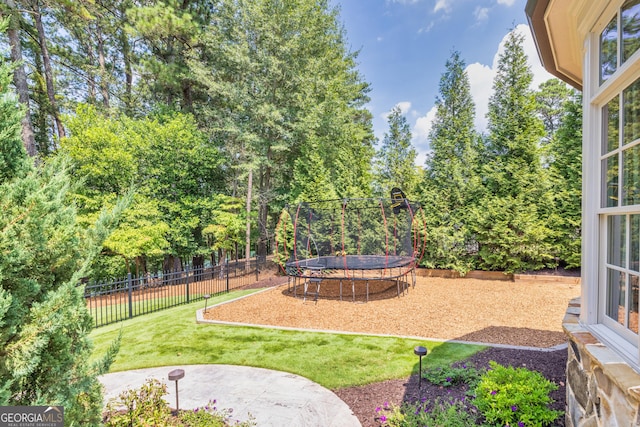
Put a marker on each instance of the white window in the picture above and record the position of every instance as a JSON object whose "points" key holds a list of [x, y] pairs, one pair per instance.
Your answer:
{"points": [[617, 98]]}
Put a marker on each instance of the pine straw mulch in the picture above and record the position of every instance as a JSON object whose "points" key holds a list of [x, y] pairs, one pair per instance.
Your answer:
{"points": [[522, 313]]}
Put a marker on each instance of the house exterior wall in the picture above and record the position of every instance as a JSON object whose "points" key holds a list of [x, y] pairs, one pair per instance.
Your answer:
{"points": [[603, 367], [602, 389]]}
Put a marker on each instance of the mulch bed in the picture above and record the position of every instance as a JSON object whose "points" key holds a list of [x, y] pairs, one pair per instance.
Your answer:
{"points": [[493, 312]]}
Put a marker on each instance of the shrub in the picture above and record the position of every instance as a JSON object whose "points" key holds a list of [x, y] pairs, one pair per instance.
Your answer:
{"points": [[145, 407], [454, 413], [139, 407], [515, 397], [453, 375], [210, 416]]}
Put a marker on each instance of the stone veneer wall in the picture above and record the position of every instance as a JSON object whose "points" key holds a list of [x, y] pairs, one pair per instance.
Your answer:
{"points": [[602, 389]]}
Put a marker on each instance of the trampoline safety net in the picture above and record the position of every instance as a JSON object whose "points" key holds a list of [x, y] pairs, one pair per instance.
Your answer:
{"points": [[352, 238]]}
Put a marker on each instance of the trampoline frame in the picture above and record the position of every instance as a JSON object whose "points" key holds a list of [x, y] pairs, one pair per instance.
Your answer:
{"points": [[361, 268]]}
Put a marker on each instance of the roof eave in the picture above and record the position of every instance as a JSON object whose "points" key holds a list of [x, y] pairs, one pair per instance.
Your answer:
{"points": [[535, 11]]}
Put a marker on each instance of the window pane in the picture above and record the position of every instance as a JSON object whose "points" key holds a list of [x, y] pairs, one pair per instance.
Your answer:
{"points": [[630, 28], [609, 50], [633, 303], [616, 240], [610, 182], [631, 176], [634, 250], [631, 105], [616, 296], [611, 126]]}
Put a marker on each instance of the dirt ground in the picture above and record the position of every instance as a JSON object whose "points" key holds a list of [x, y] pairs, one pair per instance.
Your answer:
{"points": [[522, 313]]}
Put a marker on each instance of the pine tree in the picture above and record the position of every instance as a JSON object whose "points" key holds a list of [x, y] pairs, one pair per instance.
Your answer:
{"points": [[450, 179], [509, 219], [395, 161], [44, 322]]}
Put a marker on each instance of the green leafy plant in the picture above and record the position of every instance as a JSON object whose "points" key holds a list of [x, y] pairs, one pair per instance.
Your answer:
{"points": [[453, 375], [210, 416], [145, 407], [515, 397], [139, 407], [453, 413]]}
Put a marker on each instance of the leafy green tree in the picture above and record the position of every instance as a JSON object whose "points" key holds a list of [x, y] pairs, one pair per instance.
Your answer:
{"points": [[450, 181], [279, 80], [565, 153], [511, 217], [44, 322], [175, 170], [394, 165]]}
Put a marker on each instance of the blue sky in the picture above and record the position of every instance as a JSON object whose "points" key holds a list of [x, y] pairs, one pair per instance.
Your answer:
{"points": [[404, 45]]}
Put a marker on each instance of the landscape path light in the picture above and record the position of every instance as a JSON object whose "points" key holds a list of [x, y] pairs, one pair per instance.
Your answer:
{"points": [[176, 375], [420, 351]]}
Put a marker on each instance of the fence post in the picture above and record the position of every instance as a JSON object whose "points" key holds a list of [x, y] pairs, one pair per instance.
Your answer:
{"points": [[187, 286], [227, 262], [257, 269], [130, 288]]}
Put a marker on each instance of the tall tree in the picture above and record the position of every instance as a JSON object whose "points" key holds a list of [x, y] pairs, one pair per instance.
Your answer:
{"points": [[395, 161], [510, 219], [46, 63], [278, 78], [565, 154], [44, 322], [10, 10], [551, 97], [451, 177]]}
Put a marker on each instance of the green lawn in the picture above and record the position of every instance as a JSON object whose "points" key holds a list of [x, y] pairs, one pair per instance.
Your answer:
{"points": [[172, 337]]}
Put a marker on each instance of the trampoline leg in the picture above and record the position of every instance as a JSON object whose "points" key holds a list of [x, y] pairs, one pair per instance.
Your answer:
{"points": [[340, 289], [353, 290], [367, 284], [398, 288], [306, 287]]}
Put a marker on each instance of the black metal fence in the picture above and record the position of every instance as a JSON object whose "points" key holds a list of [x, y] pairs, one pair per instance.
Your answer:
{"points": [[134, 296]]}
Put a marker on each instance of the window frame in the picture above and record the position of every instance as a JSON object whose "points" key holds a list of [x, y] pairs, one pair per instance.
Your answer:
{"points": [[600, 93]]}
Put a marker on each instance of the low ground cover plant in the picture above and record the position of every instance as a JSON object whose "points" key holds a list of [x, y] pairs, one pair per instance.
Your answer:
{"points": [[146, 407], [499, 396]]}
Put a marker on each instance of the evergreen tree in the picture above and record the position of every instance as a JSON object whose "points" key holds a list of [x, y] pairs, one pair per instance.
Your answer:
{"points": [[565, 154], [44, 322], [394, 165], [450, 181], [510, 219], [551, 97]]}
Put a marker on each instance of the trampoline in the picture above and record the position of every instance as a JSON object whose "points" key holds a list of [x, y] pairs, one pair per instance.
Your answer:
{"points": [[351, 242]]}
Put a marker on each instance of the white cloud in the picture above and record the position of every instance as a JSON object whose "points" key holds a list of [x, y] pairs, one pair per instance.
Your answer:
{"points": [[481, 85], [506, 2], [404, 106], [420, 135], [444, 5], [405, 109], [481, 14]]}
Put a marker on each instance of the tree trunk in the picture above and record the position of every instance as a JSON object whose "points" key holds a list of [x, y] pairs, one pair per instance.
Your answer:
{"points": [[48, 73], [263, 211], [20, 79], [126, 57], [247, 250], [104, 84]]}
